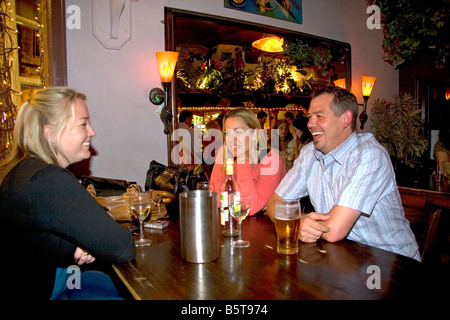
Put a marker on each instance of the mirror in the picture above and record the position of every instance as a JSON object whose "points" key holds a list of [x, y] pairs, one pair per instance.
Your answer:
{"points": [[218, 68]]}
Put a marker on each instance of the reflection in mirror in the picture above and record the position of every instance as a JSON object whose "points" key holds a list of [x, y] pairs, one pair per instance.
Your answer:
{"points": [[218, 68]]}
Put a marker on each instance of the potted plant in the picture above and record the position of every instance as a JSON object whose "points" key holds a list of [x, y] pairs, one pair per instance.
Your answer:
{"points": [[399, 127]]}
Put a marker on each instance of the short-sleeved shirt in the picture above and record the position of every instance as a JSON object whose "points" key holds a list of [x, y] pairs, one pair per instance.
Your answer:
{"points": [[359, 175]]}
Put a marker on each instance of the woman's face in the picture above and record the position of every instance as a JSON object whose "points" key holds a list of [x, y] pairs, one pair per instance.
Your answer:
{"points": [[75, 140], [283, 130], [238, 137]]}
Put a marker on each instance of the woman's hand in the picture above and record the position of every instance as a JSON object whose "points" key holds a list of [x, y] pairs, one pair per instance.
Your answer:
{"points": [[81, 256]]}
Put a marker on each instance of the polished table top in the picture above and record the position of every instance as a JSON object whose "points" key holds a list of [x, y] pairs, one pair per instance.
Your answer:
{"points": [[343, 270]]}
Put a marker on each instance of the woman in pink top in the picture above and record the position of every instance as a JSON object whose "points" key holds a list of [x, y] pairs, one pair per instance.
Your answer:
{"points": [[256, 172]]}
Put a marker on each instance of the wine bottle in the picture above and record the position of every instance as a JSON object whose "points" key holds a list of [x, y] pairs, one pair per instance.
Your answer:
{"points": [[228, 225]]}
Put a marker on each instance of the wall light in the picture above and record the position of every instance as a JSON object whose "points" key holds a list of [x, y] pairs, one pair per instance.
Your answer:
{"points": [[269, 44], [447, 93], [367, 86], [340, 83], [167, 61]]}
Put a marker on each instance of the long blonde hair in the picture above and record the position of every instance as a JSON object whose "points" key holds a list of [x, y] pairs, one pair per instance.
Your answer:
{"points": [[50, 106]]}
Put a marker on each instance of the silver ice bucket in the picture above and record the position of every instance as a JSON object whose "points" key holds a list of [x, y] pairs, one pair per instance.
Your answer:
{"points": [[199, 226]]}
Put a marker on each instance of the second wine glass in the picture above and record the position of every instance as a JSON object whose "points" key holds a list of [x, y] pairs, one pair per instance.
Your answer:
{"points": [[141, 205], [239, 207]]}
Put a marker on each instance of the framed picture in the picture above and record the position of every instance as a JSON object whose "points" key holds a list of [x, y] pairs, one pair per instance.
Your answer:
{"points": [[290, 10]]}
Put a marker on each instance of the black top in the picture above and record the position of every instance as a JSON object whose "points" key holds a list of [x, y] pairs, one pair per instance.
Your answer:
{"points": [[45, 214]]}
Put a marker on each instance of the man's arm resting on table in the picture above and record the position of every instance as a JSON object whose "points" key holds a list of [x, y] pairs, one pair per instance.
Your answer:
{"points": [[332, 227], [339, 223]]}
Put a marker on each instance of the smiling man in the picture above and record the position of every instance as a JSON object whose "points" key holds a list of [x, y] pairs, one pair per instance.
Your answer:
{"points": [[349, 179]]}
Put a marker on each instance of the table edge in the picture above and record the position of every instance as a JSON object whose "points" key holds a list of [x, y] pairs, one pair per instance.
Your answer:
{"points": [[126, 283]]}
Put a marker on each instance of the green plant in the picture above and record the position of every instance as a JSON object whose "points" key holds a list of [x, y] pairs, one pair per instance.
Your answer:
{"points": [[398, 125], [303, 55], [413, 27], [228, 75]]}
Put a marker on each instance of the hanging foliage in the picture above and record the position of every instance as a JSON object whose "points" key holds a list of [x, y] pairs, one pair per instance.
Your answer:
{"points": [[414, 27], [229, 74]]}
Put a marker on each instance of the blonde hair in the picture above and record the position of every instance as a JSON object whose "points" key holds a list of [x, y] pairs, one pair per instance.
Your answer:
{"points": [[50, 106], [248, 116]]}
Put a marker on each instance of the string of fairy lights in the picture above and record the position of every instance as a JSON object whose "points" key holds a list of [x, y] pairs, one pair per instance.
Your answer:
{"points": [[7, 108], [8, 36]]}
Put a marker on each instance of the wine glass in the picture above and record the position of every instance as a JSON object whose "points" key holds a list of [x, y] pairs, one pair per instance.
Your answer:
{"points": [[239, 207], [141, 205]]}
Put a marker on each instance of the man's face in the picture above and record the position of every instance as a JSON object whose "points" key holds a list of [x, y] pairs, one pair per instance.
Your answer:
{"points": [[262, 121], [328, 130]]}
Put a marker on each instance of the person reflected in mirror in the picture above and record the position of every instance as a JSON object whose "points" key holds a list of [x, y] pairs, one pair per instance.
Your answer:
{"points": [[349, 179], [442, 149], [212, 140], [281, 137], [262, 118], [52, 225], [190, 140], [300, 137], [289, 117]]}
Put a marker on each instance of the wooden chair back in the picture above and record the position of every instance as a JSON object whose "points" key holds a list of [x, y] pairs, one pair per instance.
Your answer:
{"points": [[430, 236]]}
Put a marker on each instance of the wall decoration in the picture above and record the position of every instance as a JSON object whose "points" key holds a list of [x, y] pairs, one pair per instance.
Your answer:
{"points": [[111, 22], [290, 10]]}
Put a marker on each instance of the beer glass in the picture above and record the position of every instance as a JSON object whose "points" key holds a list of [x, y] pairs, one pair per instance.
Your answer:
{"points": [[287, 225]]}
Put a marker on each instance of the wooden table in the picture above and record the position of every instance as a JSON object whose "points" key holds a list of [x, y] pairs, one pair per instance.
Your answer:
{"points": [[343, 270]]}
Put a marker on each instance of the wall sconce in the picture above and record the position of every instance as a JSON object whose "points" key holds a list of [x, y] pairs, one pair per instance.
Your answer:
{"points": [[367, 86], [447, 93], [269, 44], [340, 83], [167, 61]]}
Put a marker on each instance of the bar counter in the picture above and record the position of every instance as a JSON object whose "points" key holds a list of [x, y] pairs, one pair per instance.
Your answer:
{"points": [[419, 193], [343, 270]]}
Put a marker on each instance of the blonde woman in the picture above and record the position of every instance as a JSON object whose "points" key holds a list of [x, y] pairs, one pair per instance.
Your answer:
{"points": [[256, 171], [51, 224]]}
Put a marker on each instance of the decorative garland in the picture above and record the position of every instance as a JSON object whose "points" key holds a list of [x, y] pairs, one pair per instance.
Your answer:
{"points": [[229, 74]]}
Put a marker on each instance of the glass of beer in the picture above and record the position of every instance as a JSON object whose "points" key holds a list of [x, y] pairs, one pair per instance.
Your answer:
{"points": [[287, 225]]}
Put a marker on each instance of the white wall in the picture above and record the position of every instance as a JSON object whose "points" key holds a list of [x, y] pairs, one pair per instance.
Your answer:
{"points": [[117, 82]]}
